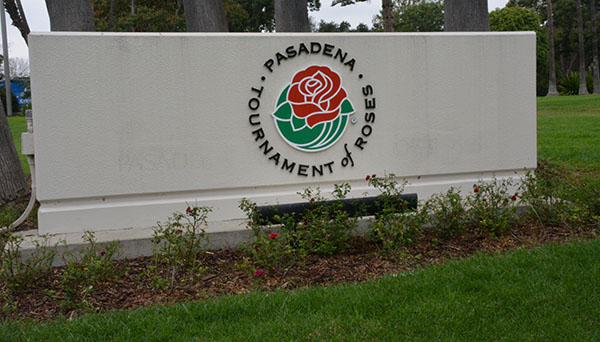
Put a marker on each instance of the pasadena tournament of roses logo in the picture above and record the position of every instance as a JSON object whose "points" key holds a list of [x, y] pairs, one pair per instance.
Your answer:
{"points": [[312, 111]]}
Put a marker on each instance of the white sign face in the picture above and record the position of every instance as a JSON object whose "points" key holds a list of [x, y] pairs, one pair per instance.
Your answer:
{"points": [[129, 128]]}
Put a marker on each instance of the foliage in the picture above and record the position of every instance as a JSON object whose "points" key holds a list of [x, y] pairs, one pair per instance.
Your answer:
{"points": [[331, 26], [419, 16], [446, 213], [14, 101], [85, 269], [147, 16], [415, 16], [569, 85], [521, 19], [324, 229], [268, 248], [553, 199], [491, 207], [395, 225], [180, 243], [344, 26], [19, 272], [168, 15]]}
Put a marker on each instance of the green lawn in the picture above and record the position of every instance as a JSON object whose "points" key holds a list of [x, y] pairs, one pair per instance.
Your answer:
{"points": [[546, 294], [18, 125], [569, 130]]}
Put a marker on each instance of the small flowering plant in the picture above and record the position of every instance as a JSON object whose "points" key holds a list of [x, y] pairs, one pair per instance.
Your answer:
{"points": [[492, 206], [447, 213], [270, 250], [395, 224], [555, 199], [181, 240], [323, 228]]}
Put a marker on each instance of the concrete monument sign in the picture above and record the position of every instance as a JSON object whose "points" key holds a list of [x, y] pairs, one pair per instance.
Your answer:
{"points": [[129, 128]]}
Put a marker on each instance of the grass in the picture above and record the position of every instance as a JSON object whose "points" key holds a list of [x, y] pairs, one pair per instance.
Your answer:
{"points": [[569, 131], [546, 294], [18, 125]]}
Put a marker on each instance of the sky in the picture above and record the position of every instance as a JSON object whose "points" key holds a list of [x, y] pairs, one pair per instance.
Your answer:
{"points": [[37, 17]]}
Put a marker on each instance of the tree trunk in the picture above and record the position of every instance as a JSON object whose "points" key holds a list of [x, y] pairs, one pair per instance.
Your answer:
{"points": [[466, 15], [111, 16], [17, 15], [595, 48], [552, 68], [582, 86], [12, 178], [71, 15], [291, 16], [205, 16], [388, 15]]}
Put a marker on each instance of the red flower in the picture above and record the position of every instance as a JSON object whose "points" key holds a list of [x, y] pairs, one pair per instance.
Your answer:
{"points": [[188, 210], [179, 231], [259, 273], [476, 190], [102, 253], [516, 194], [367, 178], [541, 167], [514, 198], [306, 223], [273, 236], [312, 199], [373, 176], [316, 94]]}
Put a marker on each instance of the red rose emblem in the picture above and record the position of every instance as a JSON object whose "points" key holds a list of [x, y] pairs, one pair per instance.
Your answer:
{"points": [[316, 94]]}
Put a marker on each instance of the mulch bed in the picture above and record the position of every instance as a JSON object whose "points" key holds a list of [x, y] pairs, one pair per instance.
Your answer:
{"points": [[227, 274]]}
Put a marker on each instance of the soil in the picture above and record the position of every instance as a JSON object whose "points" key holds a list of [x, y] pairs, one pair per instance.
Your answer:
{"points": [[230, 272]]}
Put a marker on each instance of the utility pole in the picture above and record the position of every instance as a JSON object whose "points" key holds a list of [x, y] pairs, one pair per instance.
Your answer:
{"points": [[6, 66]]}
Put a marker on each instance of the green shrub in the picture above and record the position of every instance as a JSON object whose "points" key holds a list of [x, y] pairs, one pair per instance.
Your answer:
{"points": [[14, 100], [19, 274], [84, 270], [569, 85], [395, 225], [554, 200], [491, 208], [323, 229], [179, 244], [447, 213]]}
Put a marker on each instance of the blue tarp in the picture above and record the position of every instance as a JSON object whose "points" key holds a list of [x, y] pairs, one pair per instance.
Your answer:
{"points": [[17, 86]]}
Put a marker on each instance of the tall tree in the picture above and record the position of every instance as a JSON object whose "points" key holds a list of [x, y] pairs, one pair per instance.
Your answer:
{"points": [[388, 15], [462, 15], [552, 91], [12, 178], [17, 15], [595, 48], [387, 7], [291, 16], [111, 16], [205, 16], [71, 15], [582, 85]]}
